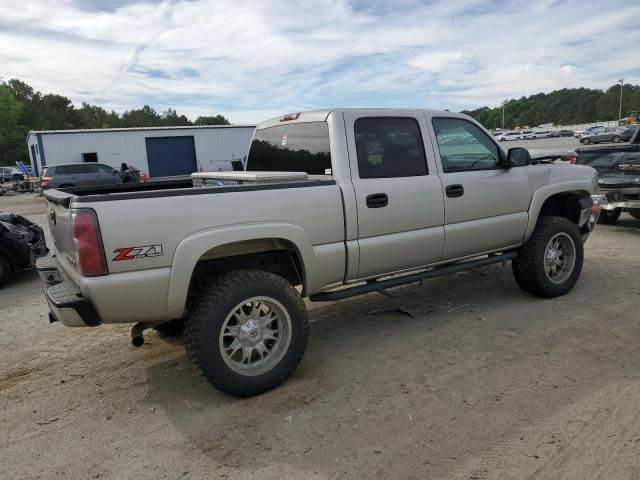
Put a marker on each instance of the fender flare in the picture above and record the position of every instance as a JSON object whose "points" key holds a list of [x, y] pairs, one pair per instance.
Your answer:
{"points": [[543, 194], [191, 249]]}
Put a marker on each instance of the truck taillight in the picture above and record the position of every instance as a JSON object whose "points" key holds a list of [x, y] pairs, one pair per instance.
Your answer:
{"points": [[86, 236], [45, 180]]}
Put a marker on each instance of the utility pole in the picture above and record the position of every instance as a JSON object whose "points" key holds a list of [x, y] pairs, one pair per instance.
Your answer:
{"points": [[503, 114], [621, 81]]}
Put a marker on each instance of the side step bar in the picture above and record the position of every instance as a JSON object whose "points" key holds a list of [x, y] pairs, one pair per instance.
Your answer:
{"points": [[380, 285]]}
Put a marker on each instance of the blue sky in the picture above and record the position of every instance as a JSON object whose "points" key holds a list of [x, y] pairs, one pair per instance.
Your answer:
{"points": [[251, 60]]}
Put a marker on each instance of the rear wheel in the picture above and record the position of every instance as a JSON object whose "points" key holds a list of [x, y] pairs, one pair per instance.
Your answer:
{"points": [[246, 331], [634, 212], [5, 270], [616, 139], [549, 264], [584, 140], [609, 217]]}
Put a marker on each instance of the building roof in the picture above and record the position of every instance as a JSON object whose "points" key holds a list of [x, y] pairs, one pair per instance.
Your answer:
{"points": [[110, 130]]}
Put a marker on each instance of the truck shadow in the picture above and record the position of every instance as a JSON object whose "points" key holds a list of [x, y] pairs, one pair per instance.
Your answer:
{"points": [[371, 361], [20, 280], [626, 224]]}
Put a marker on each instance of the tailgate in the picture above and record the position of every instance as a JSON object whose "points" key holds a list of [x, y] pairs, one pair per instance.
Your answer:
{"points": [[59, 220]]}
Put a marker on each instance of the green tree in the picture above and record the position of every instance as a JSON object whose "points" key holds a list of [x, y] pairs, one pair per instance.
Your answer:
{"points": [[562, 107], [170, 118], [11, 137], [212, 120], [143, 117], [93, 116]]}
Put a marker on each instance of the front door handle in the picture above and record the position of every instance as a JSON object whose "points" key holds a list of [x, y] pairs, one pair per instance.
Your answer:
{"points": [[454, 191], [377, 200]]}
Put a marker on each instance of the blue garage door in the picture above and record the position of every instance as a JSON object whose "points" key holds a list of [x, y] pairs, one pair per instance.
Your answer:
{"points": [[168, 156]]}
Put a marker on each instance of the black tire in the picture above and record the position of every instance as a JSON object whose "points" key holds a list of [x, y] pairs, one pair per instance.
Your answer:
{"points": [[5, 269], [529, 268], [212, 306], [609, 217], [172, 328], [634, 212], [616, 139]]}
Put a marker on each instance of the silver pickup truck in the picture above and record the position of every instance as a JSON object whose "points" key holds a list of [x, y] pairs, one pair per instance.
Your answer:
{"points": [[392, 197]]}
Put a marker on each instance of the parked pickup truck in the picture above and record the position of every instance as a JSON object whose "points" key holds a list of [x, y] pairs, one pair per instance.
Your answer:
{"points": [[392, 197], [618, 169]]}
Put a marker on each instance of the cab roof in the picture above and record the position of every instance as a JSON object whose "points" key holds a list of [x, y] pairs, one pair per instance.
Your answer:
{"points": [[322, 115]]}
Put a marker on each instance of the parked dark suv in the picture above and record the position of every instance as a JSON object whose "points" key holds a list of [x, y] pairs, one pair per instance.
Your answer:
{"points": [[79, 175], [562, 133]]}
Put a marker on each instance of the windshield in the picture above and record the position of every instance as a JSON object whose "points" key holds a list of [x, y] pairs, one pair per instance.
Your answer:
{"points": [[295, 147]]}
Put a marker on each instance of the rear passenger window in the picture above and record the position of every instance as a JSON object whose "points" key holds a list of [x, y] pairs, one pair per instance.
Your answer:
{"points": [[389, 147], [291, 147], [65, 170], [104, 168]]}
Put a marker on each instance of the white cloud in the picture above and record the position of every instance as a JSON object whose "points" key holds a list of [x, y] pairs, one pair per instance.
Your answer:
{"points": [[440, 62], [250, 59]]}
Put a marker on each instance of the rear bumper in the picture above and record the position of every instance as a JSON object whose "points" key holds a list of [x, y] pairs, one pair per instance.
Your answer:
{"points": [[66, 302]]}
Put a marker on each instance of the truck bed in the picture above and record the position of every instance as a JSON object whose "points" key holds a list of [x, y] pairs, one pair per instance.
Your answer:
{"points": [[163, 188]]}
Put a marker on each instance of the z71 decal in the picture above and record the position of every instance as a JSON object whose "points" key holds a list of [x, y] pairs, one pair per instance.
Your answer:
{"points": [[131, 253]]}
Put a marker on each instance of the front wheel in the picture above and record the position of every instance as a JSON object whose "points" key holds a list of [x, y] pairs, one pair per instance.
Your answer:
{"points": [[549, 264], [246, 331], [616, 139], [609, 217]]}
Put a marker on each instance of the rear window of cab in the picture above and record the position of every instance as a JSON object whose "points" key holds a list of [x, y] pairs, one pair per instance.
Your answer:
{"points": [[294, 147]]}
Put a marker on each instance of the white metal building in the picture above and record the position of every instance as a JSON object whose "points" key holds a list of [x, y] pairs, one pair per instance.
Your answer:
{"points": [[159, 151]]}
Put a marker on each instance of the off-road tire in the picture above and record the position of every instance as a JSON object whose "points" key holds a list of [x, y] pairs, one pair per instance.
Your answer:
{"points": [[5, 269], [529, 266], [208, 308], [172, 328], [609, 217], [634, 212]]}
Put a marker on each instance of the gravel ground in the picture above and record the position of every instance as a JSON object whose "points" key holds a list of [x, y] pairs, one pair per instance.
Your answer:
{"points": [[466, 377]]}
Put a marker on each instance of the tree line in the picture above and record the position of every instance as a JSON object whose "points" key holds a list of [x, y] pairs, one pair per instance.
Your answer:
{"points": [[23, 109], [568, 106]]}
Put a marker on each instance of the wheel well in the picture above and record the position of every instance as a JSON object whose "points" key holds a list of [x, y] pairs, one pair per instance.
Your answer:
{"points": [[272, 255], [563, 204]]}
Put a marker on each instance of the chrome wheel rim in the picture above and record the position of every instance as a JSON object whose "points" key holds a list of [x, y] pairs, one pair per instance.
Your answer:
{"points": [[255, 336], [559, 258]]}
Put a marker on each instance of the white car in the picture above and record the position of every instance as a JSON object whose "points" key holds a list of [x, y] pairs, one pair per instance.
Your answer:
{"points": [[507, 136]]}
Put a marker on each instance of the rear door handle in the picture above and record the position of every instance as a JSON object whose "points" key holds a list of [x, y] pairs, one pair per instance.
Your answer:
{"points": [[377, 200], [454, 191]]}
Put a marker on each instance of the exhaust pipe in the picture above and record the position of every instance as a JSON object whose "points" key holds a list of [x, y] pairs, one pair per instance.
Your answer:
{"points": [[137, 339]]}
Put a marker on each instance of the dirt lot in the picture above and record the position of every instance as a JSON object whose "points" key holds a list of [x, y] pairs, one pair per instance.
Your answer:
{"points": [[482, 381]]}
